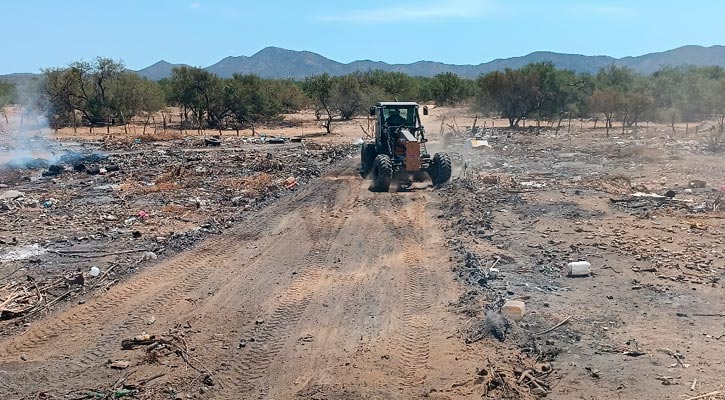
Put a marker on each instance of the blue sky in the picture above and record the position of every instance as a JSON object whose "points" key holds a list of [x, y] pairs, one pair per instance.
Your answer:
{"points": [[41, 33]]}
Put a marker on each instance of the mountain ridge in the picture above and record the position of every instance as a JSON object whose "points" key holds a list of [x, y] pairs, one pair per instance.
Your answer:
{"points": [[276, 62]]}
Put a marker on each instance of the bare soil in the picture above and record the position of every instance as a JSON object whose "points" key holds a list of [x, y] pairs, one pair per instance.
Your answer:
{"points": [[331, 291]]}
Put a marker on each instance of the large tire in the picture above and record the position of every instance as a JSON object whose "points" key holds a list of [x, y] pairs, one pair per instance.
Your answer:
{"points": [[441, 168], [367, 157], [382, 173]]}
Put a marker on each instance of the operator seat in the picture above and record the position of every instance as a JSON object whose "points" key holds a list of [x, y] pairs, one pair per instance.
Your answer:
{"points": [[394, 119]]}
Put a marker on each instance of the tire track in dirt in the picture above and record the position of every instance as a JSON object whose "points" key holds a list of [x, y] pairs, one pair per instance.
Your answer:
{"points": [[415, 334], [247, 374], [413, 340], [190, 271], [105, 308], [185, 273]]}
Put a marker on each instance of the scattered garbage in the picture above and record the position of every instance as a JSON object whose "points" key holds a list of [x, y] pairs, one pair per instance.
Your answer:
{"points": [[480, 144], [290, 183], [50, 203], [212, 141], [276, 140], [11, 195], [94, 272], [22, 253], [514, 309], [578, 269]]}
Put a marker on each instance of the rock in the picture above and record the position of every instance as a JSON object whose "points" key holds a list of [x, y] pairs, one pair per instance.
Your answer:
{"points": [[118, 364]]}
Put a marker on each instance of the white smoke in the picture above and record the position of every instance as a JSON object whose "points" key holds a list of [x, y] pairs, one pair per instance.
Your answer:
{"points": [[26, 140]]}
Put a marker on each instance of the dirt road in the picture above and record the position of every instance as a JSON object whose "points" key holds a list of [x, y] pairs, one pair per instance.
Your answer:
{"points": [[335, 292]]}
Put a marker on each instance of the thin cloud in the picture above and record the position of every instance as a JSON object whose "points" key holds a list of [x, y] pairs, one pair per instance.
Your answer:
{"points": [[195, 5], [446, 9], [601, 10]]}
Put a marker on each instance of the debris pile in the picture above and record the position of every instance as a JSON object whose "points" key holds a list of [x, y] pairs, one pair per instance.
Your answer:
{"points": [[117, 210]]}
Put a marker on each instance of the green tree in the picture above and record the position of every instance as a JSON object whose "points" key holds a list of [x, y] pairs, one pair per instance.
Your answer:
{"points": [[320, 89], [448, 88], [607, 102], [250, 101], [8, 94], [513, 93], [199, 92], [102, 92]]}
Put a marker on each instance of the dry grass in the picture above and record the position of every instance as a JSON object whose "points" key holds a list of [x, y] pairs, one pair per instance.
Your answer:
{"points": [[137, 188], [174, 209], [259, 182]]}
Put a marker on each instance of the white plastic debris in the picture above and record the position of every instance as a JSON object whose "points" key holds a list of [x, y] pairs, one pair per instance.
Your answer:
{"points": [[95, 271], [578, 268]]}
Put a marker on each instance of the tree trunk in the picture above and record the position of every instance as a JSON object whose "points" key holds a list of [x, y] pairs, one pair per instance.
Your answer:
{"points": [[624, 121], [558, 123], [568, 129], [596, 119], [673, 124], [328, 124]]}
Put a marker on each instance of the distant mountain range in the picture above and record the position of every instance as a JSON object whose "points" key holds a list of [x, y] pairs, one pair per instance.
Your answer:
{"points": [[274, 62]]}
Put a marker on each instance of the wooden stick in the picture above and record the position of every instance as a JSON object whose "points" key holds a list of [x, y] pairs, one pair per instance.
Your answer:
{"points": [[83, 254], [563, 321], [702, 396]]}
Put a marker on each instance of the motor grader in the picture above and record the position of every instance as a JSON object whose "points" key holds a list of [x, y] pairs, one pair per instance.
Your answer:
{"points": [[399, 153]]}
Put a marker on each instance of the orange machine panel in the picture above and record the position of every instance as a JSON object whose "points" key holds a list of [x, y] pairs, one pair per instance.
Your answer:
{"points": [[412, 156]]}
